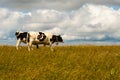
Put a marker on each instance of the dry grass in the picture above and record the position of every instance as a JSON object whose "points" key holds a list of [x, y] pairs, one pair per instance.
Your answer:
{"points": [[64, 63]]}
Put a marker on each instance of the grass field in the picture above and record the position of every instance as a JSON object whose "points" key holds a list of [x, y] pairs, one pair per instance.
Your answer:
{"points": [[84, 62]]}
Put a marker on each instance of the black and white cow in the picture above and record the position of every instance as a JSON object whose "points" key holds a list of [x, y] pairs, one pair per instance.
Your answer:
{"points": [[35, 38]]}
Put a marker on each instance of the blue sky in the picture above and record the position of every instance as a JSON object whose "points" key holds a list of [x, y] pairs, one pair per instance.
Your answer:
{"points": [[116, 7], [93, 21]]}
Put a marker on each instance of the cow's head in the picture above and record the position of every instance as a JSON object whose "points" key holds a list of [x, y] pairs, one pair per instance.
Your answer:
{"points": [[17, 33], [56, 38], [59, 38]]}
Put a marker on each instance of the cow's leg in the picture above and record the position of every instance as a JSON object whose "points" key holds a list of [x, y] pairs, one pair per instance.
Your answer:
{"points": [[51, 47], [44, 45], [37, 46], [29, 46], [57, 43], [18, 43]]}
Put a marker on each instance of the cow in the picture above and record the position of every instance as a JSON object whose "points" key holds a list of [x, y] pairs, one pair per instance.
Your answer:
{"points": [[36, 38]]}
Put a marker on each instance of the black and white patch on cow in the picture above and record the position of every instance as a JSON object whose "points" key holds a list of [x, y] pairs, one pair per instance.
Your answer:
{"points": [[41, 36], [44, 38]]}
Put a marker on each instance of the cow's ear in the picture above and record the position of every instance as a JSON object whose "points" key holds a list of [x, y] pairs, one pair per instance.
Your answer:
{"points": [[16, 33], [40, 33]]}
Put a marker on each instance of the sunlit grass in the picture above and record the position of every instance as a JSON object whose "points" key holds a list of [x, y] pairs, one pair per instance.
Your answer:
{"points": [[83, 62]]}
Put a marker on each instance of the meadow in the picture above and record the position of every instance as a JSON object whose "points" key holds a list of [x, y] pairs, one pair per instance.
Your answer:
{"points": [[83, 62]]}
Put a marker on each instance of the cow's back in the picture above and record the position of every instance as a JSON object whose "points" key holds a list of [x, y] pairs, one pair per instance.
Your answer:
{"points": [[33, 35]]}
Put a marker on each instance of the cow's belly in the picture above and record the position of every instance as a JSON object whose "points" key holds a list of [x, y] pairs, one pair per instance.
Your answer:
{"points": [[36, 42], [39, 42]]}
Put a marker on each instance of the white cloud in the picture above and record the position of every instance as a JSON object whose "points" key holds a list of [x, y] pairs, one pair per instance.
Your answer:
{"points": [[9, 21], [93, 21], [90, 22]]}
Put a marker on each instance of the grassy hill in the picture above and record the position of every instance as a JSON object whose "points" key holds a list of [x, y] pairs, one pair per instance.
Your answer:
{"points": [[83, 62]]}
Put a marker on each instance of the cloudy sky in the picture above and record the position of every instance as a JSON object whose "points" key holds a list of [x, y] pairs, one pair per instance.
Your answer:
{"points": [[90, 20]]}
